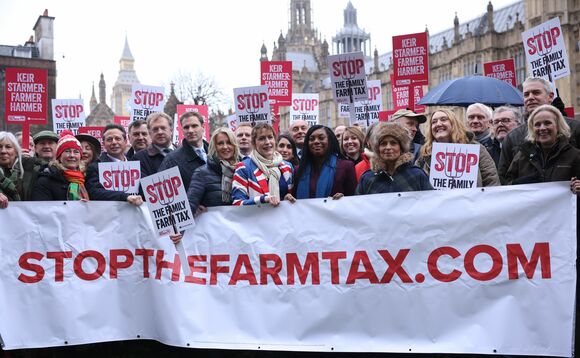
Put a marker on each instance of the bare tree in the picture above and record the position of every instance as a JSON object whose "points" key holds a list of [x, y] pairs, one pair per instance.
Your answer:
{"points": [[199, 89]]}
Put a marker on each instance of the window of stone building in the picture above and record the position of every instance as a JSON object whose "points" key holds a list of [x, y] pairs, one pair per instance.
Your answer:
{"points": [[520, 62]]}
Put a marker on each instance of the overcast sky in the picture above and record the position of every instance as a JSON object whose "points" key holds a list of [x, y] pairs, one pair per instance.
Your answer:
{"points": [[220, 38]]}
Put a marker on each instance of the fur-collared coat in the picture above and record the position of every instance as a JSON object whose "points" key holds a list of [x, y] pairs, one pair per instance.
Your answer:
{"points": [[406, 177]]}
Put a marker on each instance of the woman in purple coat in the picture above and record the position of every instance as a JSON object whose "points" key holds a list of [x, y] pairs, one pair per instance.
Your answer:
{"points": [[322, 171]]}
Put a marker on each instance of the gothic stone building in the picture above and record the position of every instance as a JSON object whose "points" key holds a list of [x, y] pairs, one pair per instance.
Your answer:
{"points": [[456, 52]]}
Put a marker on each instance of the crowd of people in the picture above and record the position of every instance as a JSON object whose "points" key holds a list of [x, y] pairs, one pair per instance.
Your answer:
{"points": [[255, 165]]}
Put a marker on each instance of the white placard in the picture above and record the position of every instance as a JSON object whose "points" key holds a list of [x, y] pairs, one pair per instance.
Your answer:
{"points": [[454, 166], [146, 100], [167, 202], [367, 111], [67, 114], [545, 50], [305, 106], [252, 105], [120, 176], [347, 72], [477, 274]]}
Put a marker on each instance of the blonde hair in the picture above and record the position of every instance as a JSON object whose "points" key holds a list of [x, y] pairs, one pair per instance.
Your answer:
{"points": [[154, 116], [212, 150], [458, 131], [561, 125], [358, 133]]}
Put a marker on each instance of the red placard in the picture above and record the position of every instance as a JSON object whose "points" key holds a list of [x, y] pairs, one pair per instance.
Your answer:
{"points": [[123, 121], [26, 95], [569, 112], [385, 116], [504, 70], [96, 132], [411, 59], [181, 109], [277, 75], [401, 97]]}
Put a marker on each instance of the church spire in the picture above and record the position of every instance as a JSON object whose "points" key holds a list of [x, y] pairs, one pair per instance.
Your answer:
{"points": [[127, 55], [102, 89], [93, 101]]}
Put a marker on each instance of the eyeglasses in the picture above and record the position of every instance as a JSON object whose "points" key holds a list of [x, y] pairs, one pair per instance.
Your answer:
{"points": [[497, 121]]}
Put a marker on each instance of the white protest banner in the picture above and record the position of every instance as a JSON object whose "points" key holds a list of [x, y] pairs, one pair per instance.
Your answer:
{"points": [[348, 278], [146, 100], [252, 105], [167, 202], [347, 72], [546, 51], [454, 166], [305, 107], [120, 176], [67, 114]]}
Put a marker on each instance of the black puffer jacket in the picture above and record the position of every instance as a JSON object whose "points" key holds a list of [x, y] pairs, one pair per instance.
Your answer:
{"points": [[205, 187], [531, 165], [50, 185]]}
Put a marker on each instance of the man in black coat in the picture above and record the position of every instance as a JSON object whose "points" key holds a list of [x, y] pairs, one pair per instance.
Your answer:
{"points": [[138, 137], [537, 92], [115, 143], [193, 151], [160, 128]]}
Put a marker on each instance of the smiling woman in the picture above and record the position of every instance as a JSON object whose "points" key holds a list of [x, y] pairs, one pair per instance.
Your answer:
{"points": [[263, 177], [64, 178], [546, 155], [444, 127]]}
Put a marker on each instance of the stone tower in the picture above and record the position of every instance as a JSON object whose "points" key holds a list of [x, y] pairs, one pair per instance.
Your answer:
{"points": [[351, 38], [126, 78]]}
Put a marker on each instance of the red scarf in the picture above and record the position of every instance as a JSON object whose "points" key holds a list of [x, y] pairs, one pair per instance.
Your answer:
{"points": [[76, 188]]}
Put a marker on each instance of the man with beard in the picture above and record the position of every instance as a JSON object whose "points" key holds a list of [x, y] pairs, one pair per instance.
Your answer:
{"points": [[298, 131], [505, 119], [138, 137]]}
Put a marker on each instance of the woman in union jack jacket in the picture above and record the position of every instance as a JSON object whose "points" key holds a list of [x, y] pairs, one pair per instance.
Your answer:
{"points": [[263, 177]]}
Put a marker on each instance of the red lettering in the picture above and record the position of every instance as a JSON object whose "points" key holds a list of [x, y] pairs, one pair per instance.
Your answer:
{"points": [[333, 257], [243, 261], [394, 266], [191, 260], [146, 253], [175, 266], [58, 257], [434, 269], [215, 268], [78, 265], [368, 273], [496, 266], [272, 271], [310, 264], [25, 265], [440, 165], [541, 252], [115, 264]]}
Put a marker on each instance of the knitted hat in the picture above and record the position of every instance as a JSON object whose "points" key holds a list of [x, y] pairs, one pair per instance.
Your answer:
{"points": [[67, 141]]}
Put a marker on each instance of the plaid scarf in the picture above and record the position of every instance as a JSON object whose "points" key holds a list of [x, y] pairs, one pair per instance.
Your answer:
{"points": [[8, 184]]}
